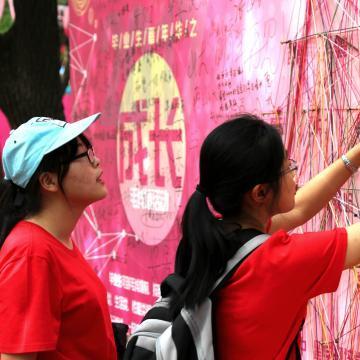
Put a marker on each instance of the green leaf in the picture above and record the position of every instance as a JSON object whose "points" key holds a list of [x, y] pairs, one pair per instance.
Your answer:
{"points": [[6, 21]]}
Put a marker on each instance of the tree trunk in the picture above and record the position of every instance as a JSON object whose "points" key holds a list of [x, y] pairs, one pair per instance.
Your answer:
{"points": [[29, 63]]}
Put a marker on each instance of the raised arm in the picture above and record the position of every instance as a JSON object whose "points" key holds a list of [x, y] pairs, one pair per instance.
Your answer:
{"points": [[316, 193]]}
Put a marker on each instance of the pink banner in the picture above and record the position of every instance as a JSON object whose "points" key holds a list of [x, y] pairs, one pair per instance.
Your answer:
{"points": [[163, 75], [4, 130]]}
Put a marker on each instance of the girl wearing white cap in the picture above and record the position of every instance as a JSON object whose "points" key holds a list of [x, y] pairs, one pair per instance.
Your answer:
{"points": [[52, 304]]}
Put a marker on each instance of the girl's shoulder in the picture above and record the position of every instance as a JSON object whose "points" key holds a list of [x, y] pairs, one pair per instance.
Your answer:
{"points": [[26, 239]]}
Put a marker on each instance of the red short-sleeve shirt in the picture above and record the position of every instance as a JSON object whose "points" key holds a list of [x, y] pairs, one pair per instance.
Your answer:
{"points": [[51, 301], [260, 310]]}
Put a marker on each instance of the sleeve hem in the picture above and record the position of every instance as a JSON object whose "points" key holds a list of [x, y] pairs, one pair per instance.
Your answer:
{"points": [[337, 266], [27, 348]]}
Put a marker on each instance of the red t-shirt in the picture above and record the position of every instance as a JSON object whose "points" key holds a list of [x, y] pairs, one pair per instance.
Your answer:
{"points": [[51, 301], [260, 311]]}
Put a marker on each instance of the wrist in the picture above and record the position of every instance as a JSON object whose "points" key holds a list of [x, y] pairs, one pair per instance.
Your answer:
{"points": [[349, 164], [354, 155]]}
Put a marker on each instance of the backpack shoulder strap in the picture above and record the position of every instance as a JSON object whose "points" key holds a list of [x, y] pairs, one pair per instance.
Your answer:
{"points": [[239, 257], [173, 283]]}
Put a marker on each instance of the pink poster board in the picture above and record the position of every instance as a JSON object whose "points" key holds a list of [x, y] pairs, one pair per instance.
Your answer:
{"points": [[164, 74]]}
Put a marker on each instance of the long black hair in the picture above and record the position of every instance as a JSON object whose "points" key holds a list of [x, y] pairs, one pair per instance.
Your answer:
{"points": [[235, 156], [17, 203]]}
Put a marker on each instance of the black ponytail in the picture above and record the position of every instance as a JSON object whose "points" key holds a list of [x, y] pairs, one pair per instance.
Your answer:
{"points": [[12, 208], [196, 252]]}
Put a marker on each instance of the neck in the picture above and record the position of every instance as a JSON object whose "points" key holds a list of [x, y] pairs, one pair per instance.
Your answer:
{"points": [[257, 221], [59, 220]]}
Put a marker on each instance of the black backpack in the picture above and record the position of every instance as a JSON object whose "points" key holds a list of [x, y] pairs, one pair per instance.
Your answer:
{"points": [[188, 335]]}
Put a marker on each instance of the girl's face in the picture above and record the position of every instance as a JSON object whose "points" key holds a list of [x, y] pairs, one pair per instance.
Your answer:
{"points": [[286, 199], [83, 183]]}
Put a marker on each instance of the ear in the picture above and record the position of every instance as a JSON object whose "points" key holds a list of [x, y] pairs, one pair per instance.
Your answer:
{"points": [[259, 193], [48, 181]]}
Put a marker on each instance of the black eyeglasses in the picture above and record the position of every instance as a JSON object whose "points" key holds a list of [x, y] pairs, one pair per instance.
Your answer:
{"points": [[90, 155], [291, 168]]}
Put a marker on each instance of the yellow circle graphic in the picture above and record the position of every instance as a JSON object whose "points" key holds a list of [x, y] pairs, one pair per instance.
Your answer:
{"points": [[151, 148]]}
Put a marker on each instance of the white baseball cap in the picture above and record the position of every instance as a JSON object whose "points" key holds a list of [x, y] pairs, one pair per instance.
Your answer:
{"points": [[30, 142]]}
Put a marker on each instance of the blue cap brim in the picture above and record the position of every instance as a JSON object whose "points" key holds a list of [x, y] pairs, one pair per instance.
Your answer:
{"points": [[73, 130]]}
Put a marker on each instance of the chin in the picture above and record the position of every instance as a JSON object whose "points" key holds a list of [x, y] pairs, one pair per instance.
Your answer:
{"points": [[289, 208], [103, 195], [103, 191], [285, 209], [100, 195]]}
